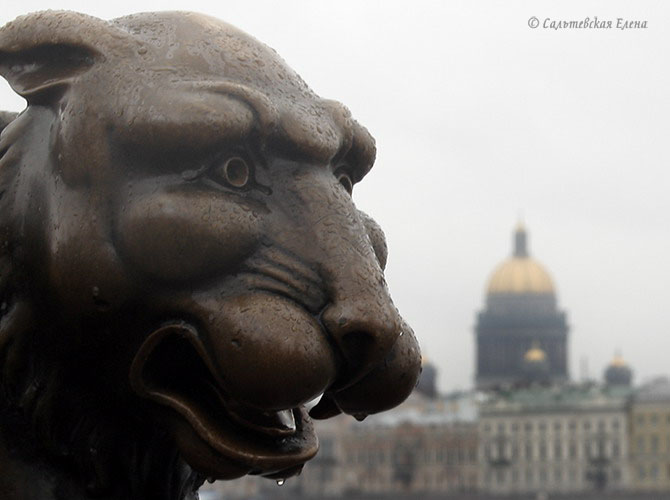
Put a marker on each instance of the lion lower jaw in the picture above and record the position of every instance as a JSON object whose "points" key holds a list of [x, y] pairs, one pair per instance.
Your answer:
{"points": [[236, 439]]}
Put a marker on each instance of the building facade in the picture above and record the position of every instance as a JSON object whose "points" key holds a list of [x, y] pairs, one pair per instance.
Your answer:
{"points": [[587, 441], [426, 446], [650, 436], [520, 313], [565, 439]]}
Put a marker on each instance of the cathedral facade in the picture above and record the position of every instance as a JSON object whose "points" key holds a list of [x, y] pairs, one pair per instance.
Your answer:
{"points": [[521, 335]]}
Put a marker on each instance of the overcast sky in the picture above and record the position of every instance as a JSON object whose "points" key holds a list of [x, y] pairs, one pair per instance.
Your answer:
{"points": [[481, 119]]}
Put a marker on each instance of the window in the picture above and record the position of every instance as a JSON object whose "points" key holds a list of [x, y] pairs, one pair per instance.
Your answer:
{"points": [[451, 454], [641, 472], [601, 425], [616, 450], [587, 425], [616, 475], [543, 450], [515, 426], [501, 428], [529, 476], [572, 425], [640, 420], [529, 451], [653, 419], [654, 443], [640, 444], [558, 450], [543, 426], [558, 475], [528, 426], [653, 472], [616, 424], [572, 451]]}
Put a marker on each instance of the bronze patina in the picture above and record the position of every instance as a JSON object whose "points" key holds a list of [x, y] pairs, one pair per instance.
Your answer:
{"points": [[182, 266]]}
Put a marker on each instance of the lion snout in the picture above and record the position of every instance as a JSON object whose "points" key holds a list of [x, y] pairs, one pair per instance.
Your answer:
{"points": [[364, 329], [390, 381]]}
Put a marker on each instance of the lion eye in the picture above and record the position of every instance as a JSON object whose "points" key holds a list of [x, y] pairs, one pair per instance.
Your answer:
{"points": [[345, 180], [235, 172]]}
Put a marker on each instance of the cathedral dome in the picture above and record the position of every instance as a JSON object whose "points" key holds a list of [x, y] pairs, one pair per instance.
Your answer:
{"points": [[618, 372], [521, 333], [535, 354], [535, 364], [520, 274]]}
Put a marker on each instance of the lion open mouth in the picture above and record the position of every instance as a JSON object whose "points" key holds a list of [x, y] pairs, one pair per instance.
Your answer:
{"points": [[173, 367]]}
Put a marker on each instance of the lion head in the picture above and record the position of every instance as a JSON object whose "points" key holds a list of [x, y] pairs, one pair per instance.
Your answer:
{"points": [[182, 266]]}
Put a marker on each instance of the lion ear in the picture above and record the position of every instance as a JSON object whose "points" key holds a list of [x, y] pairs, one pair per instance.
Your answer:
{"points": [[41, 53]]}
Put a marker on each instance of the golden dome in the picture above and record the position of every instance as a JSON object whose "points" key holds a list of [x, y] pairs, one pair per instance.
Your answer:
{"points": [[535, 354], [520, 273], [618, 361]]}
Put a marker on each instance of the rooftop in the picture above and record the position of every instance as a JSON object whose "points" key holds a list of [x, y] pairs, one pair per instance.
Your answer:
{"points": [[568, 398]]}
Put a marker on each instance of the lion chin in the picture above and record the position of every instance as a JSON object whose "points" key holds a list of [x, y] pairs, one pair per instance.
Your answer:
{"points": [[183, 266]]}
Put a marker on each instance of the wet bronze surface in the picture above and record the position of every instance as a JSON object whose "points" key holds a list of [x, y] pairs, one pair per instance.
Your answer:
{"points": [[182, 266]]}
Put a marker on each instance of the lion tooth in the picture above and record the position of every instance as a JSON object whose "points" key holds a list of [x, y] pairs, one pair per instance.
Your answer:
{"points": [[273, 423], [287, 419]]}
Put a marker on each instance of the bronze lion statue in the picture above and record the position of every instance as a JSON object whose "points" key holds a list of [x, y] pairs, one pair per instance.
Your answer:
{"points": [[182, 267]]}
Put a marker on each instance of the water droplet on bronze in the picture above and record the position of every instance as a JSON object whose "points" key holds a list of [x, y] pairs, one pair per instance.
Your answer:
{"points": [[189, 175]]}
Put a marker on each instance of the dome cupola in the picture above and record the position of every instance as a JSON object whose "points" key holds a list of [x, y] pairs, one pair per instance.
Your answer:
{"points": [[535, 355], [520, 273], [618, 372], [535, 364]]}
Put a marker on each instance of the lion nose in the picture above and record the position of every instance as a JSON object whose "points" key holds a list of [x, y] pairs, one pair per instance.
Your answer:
{"points": [[364, 330]]}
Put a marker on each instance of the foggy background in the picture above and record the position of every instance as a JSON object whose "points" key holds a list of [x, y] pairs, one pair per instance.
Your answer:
{"points": [[481, 120]]}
